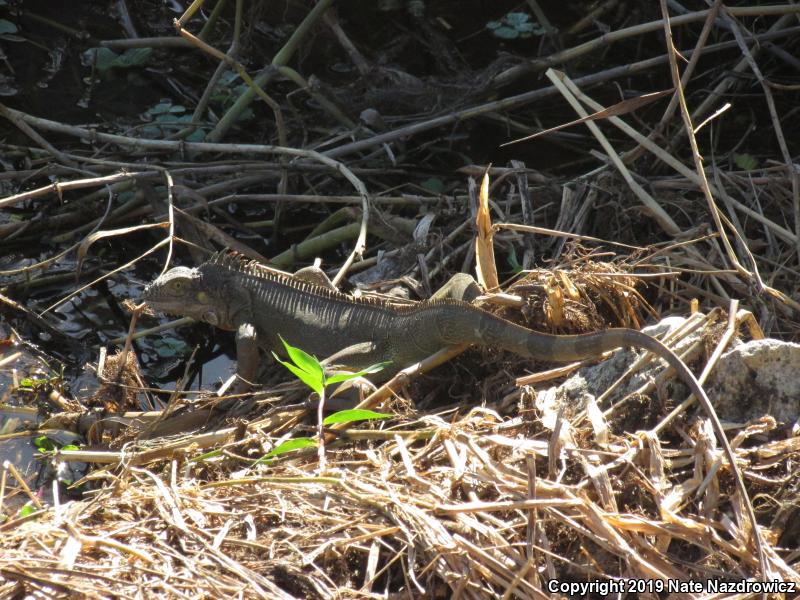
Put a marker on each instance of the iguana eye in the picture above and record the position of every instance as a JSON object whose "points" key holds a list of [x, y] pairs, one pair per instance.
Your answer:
{"points": [[177, 286]]}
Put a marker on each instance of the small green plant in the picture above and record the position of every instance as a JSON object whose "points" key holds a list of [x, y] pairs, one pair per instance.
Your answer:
{"points": [[27, 510], [168, 347], [434, 185], [39, 383], [228, 89], [287, 446], [166, 119], [50, 440], [8, 28], [46, 445], [51, 445], [105, 60], [515, 25], [33, 383], [311, 372], [513, 261], [746, 162]]}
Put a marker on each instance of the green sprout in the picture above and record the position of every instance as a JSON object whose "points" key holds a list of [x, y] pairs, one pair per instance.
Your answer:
{"points": [[310, 371], [515, 25]]}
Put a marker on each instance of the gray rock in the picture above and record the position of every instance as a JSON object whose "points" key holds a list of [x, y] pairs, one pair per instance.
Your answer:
{"points": [[753, 379], [757, 378]]}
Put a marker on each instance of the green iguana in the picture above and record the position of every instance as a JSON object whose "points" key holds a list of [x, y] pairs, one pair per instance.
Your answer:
{"points": [[232, 293], [260, 304]]}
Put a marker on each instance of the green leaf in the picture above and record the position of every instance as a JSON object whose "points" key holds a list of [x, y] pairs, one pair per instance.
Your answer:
{"points": [[168, 347], [105, 59], [291, 445], [102, 58], [348, 376], [517, 18], [433, 185], [513, 262], [70, 447], [307, 378], [493, 24], [354, 414], [159, 109], [287, 446], [305, 361], [44, 443], [746, 162], [246, 115], [166, 120], [198, 135], [506, 33], [227, 78], [7, 26], [26, 510], [133, 57], [206, 456], [339, 377], [150, 132], [34, 383]]}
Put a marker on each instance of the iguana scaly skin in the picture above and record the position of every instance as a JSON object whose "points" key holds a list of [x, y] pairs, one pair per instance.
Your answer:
{"points": [[235, 294]]}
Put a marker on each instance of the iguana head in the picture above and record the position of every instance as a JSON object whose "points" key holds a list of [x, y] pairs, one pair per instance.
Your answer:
{"points": [[191, 293]]}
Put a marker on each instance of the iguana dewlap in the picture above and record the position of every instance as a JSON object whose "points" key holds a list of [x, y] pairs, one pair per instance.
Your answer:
{"points": [[232, 293]]}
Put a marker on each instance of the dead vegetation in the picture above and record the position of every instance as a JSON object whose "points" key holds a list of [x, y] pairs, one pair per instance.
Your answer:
{"points": [[478, 504], [476, 488]]}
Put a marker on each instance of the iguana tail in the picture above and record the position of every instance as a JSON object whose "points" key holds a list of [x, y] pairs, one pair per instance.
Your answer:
{"points": [[461, 323]]}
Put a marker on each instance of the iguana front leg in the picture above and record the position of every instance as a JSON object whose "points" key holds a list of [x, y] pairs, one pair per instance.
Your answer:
{"points": [[247, 341], [247, 355]]}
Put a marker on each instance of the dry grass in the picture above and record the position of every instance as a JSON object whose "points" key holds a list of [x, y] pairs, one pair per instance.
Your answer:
{"points": [[471, 504], [487, 502]]}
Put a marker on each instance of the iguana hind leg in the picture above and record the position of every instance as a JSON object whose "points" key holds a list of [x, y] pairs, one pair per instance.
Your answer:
{"points": [[316, 276], [356, 356], [461, 286], [360, 356]]}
